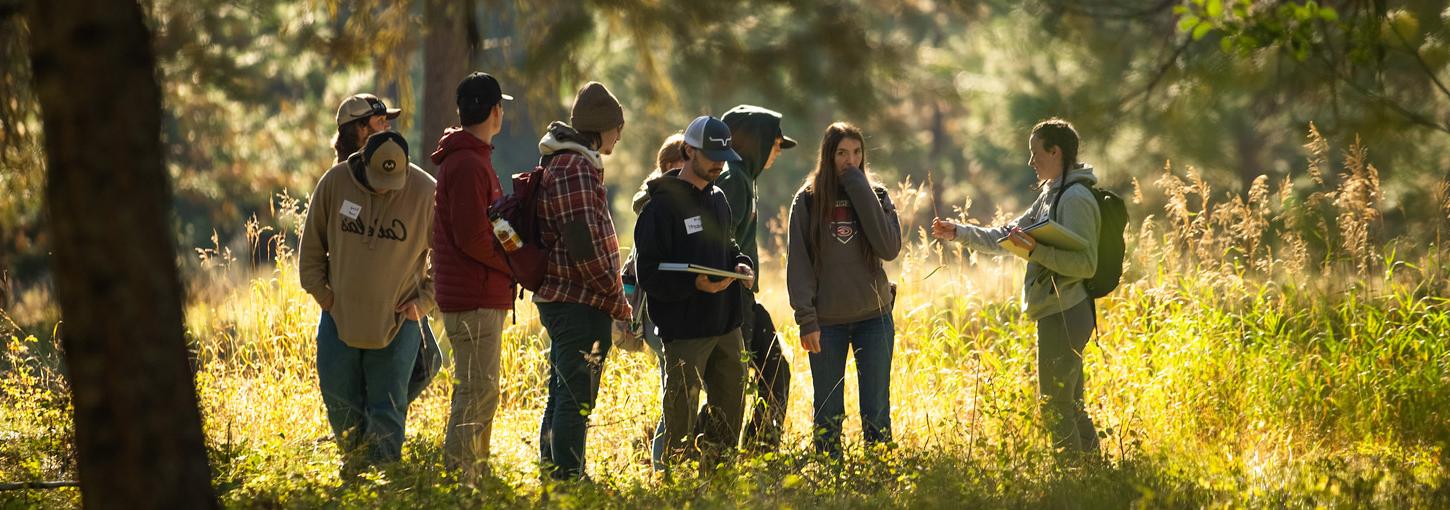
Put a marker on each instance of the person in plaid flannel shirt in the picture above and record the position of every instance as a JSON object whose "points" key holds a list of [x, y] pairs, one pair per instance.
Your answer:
{"points": [[582, 293]]}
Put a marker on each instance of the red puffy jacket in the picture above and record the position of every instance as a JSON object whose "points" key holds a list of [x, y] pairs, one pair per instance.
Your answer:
{"points": [[468, 268]]}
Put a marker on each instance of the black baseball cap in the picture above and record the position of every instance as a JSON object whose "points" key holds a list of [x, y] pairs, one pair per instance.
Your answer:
{"points": [[711, 137], [480, 89]]}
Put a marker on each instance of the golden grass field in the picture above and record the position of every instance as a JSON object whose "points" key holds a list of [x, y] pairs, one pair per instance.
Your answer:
{"points": [[1245, 361]]}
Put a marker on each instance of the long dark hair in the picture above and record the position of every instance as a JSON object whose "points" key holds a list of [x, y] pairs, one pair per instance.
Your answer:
{"points": [[346, 141], [823, 186]]}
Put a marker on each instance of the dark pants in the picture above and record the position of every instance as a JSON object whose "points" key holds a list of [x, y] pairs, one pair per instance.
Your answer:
{"points": [[580, 338], [714, 365], [366, 391], [1061, 339], [770, 376], [657, 443], [872, 342]]}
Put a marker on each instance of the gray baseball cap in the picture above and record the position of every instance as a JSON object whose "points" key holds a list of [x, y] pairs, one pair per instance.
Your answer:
{"points": [[711, 137]]}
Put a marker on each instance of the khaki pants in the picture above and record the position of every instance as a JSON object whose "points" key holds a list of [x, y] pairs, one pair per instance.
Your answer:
{"points": [[476, 337], [714, 363]]}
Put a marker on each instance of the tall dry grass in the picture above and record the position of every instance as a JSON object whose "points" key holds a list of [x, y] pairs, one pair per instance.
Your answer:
{"points": [[1264, 350]]}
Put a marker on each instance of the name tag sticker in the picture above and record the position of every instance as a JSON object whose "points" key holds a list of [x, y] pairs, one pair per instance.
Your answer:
{"points": [[693, 225], [350, 209]]}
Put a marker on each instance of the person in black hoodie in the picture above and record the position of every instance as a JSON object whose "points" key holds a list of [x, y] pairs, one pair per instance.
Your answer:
{"points": [[698, 317]]}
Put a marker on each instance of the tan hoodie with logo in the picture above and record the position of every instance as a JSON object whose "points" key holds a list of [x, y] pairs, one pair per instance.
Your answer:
{"points": [[369, 251]]}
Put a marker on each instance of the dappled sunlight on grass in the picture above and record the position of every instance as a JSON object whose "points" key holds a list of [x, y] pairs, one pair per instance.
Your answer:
{"points": [[1228, 370]]}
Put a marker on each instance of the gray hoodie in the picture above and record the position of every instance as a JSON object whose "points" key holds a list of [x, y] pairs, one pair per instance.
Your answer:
{"points": [[1053, 282], [850, 286]]}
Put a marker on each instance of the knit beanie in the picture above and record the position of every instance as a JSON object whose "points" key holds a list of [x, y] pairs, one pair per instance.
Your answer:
{"points": [[596, 110]]}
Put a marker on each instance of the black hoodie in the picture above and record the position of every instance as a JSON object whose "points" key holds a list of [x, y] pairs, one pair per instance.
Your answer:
{"points": [[686, 225]]}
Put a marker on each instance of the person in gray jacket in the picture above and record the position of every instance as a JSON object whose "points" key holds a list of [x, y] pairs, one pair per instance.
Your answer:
{"points": [[1052, 290], [842, 229]]}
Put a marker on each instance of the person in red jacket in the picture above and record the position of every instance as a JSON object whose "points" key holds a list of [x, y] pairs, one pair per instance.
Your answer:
{"points": [[474, 285]]}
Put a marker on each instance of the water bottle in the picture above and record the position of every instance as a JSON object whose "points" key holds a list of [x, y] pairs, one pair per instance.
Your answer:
{"points": [[507, 237]]}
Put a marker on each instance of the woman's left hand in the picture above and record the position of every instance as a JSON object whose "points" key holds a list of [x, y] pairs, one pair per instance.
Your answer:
{"points": [[1022, 239]]}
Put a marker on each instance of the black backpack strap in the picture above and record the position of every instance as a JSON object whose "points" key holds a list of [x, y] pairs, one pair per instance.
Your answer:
{"points": [[808, 199], [1058, 199]]}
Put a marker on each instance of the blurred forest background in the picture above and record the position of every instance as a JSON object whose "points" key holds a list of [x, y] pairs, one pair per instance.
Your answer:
{"points": [[950, 88], [1279, 339]]}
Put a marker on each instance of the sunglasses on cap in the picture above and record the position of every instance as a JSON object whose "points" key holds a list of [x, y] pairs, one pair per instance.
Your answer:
{"points": [[377, 106]]}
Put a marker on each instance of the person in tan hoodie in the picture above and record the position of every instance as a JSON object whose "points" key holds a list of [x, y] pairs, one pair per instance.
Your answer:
{"points": [[364, 258]]}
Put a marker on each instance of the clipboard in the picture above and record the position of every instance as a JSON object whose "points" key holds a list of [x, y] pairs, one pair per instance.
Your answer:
{"points": [[1050, 233]]}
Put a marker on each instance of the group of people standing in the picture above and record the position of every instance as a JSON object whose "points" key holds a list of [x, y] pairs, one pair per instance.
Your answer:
{"points": [[384, 243]]}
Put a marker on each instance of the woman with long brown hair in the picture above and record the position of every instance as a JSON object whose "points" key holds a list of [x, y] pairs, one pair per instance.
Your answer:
{"points": [[843, 227], [358, 117]]}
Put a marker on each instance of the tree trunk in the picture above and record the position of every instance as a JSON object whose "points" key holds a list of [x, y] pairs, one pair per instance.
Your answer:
{"points": [[447, 55], [137, 427]]}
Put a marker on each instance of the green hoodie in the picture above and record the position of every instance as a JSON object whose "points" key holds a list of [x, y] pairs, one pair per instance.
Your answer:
{"points": [[755, 130]]}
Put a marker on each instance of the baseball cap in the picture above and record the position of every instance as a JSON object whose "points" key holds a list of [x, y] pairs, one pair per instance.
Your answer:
{"points": [[386, 157], [360, 106], [712, 137], [480, 89]]}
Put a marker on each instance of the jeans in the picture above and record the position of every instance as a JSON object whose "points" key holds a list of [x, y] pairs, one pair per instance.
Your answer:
{"points": [[476, 336], [365, 391], [580, 338], [1061, 339], [872, 342]]}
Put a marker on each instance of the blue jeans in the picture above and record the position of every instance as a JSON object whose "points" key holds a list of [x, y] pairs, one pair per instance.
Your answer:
{"points": [[872, 341], [366, 390], [580, 338]]}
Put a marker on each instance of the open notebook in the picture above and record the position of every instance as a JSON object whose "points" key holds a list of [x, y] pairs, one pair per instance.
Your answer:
{"points": [[1047, 232], [696, 268]]}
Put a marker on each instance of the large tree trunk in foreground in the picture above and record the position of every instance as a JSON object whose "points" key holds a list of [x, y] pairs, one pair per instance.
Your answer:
{"points": [[447, 56], [137, 427]]}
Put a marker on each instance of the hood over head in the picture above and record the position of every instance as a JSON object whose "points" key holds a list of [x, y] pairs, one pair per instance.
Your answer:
{"points": [[754, 130]]}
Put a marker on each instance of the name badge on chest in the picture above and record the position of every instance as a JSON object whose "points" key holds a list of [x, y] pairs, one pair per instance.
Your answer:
{"points": [[350, 210], [693, 225]]}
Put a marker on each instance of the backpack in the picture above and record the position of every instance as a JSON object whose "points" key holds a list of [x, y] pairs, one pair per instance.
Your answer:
{"points": [[1111, 247], [521, 210]]}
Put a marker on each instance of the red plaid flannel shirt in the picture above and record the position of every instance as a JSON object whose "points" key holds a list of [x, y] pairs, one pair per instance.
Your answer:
{"points": [[574, 191]]}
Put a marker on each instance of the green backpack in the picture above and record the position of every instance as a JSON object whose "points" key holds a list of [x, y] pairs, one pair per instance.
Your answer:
{"points": [[1111, 245]]}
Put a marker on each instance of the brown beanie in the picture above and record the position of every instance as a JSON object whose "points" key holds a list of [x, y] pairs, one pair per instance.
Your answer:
{"points": [[596, 110]]}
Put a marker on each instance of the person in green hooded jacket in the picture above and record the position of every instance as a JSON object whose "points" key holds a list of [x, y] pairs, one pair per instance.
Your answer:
{"points": [[757, 137]]}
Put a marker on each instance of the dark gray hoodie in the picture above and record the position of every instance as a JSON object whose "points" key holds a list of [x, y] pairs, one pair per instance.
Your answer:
{"points": [[848, 285]]}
